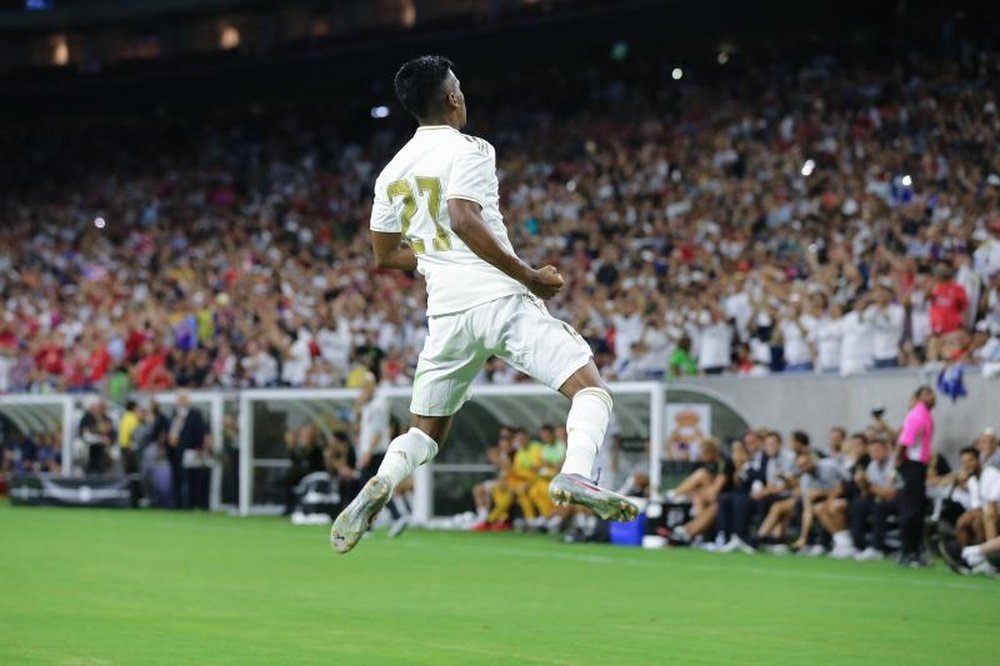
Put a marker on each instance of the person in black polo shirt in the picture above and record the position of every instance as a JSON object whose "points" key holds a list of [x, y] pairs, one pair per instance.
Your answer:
{"points": [[878, 484], [716, 475], [832, 512], [731, 522]]}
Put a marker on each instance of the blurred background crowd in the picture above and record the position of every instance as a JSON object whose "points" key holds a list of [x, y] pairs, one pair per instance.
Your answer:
{"points": [[806, 216]]}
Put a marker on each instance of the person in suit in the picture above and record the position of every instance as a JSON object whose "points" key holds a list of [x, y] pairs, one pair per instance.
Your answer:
{"points": [[98, 433], [188, 446]]}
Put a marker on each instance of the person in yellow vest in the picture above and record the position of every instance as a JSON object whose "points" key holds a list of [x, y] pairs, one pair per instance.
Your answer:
{"points": [[524, 473], [127, 424], [552, 454], [516, 482]]}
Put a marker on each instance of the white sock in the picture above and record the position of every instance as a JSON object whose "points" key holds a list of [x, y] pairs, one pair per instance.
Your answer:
{"points": [[973, 555], [406, 453], [585, 427], [482, 513], [842, 539]]}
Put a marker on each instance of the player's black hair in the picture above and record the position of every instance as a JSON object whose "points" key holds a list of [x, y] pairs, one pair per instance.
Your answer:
{"points": [[801, 436], [418, 83], [970, 451]]}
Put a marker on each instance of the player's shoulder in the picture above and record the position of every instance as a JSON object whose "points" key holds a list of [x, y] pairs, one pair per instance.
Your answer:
{"points": [[477, 144]]}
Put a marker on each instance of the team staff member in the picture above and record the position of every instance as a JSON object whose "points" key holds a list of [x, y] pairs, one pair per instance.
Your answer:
{"points": [[374, 435], [913, 457], [372, 417]]}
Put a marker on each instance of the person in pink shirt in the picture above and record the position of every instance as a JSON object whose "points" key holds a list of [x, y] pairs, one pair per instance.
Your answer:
{"points": [[914, 455]]}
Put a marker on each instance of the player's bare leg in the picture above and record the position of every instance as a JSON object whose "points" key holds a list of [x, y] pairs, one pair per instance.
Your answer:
{"points": [[413, 448], [585, 429]]}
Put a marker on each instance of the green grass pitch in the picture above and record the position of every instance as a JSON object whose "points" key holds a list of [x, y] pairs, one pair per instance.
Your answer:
{"points": [[90, 587]]}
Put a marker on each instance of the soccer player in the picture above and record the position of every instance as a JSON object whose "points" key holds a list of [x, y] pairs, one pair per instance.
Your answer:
{"points": [[437, 211]]}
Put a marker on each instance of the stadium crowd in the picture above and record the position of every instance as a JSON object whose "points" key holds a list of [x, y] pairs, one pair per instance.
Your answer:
{"points": [[785, 219]]}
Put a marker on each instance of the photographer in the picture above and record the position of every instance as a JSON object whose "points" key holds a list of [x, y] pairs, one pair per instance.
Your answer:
{"points": [[879, 428]]}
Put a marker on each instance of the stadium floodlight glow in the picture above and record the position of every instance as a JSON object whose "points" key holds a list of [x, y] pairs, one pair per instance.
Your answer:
{"points": [[380, 112], [229, 37], [60, 51], [906, 180], [808, 168], [677, 73]]}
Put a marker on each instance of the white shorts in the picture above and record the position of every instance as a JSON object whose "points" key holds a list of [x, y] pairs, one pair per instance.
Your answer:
{"points": [[989, 484], [517, 329]]}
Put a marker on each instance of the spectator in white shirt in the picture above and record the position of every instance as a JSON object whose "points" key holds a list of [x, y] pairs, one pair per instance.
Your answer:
{"points": [[298, 359], [260, 366], [737, 304], [796, 329], [987, 256], [715, 344], [628, 328], [6, 365], [918, 306], [334, 340], [658, 345], [827, 336], [886, 320], [855, 348], [972, 282], [991, 300]]}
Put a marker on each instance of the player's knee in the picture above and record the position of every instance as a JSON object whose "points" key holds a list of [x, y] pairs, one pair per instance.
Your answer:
{"points": [[599, 391]]}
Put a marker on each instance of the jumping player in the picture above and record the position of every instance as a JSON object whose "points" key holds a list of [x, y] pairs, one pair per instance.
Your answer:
{"points": [[437, 211]]}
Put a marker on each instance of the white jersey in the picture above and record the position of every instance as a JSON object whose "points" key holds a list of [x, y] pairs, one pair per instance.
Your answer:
{"points": [[373, 431], [440, 163]]}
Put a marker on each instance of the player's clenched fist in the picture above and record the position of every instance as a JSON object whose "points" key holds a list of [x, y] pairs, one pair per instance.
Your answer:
{"points": [[545, 282]]}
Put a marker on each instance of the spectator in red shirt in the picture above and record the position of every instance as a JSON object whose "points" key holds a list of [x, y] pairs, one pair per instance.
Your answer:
{"points": [[75, 372], [49, 360], [99, 362], [948, 305], [152, 373], [948, 302]]}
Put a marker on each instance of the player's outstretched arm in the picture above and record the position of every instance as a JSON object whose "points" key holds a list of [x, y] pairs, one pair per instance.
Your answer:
{"points": [[390, 252], [467, 223]]}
